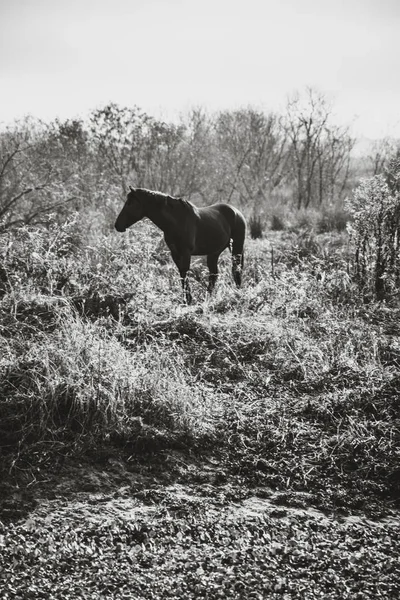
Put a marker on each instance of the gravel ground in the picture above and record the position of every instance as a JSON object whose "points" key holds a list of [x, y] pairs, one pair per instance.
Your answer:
{"points": [[188, 541]]}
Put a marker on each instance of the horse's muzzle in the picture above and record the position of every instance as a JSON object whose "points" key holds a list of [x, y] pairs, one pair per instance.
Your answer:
{"points": [[120, 228]]}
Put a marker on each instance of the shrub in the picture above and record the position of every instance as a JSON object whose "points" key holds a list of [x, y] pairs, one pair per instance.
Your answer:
{"points": [[303, 247], [332, 219], [256, 227], [79, 384], [376, 234], [277, 222]]}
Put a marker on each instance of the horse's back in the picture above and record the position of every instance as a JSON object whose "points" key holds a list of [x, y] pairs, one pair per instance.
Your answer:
{"points": [[225, 211], [235, 218], [218, 225]]}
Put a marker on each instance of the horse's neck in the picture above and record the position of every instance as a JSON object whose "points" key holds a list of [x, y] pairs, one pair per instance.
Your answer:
{"points": [[159, 216]]}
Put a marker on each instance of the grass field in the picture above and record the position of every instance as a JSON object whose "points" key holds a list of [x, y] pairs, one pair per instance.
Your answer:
{"points": [[155, 450]]}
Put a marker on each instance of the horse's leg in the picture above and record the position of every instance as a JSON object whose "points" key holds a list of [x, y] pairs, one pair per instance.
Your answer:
{"points": [[182, 261], [186, 289], [237, 267], [237, 252], [212, 264]]}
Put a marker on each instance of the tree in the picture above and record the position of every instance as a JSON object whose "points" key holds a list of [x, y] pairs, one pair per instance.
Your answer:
{"points": [[197, 157], [392, 172], [31, 184], [119, 138], [163, 157], [253, 148], [319, 151], [132, 147], [380, 155]]}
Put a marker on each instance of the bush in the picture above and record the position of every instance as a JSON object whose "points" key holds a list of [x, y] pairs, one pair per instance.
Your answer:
{"points": [[303, 247], [332, 219], [277, 222], [376, 233], [73, 370], [76, 383], [256, 227]]}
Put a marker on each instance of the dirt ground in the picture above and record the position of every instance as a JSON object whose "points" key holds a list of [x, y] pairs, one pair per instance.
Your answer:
{"points": [[126, 529]]}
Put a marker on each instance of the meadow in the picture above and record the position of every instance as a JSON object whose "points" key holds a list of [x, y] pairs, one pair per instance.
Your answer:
{"points": [[245, 446]]}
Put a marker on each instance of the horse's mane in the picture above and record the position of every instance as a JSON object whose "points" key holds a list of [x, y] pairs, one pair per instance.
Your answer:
{"points": [[160, 197]]}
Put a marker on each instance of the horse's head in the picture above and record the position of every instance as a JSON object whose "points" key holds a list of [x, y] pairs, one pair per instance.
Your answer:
{"points": [[132, 211]]}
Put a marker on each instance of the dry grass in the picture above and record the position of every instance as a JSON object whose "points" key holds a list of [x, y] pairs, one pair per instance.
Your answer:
{"points": [[292, 381]]}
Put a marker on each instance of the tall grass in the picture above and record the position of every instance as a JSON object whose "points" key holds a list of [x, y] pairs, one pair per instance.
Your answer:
{"points": [[292, 379]]}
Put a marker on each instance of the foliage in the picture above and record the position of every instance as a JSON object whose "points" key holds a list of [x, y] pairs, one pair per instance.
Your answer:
{"points": [[207, 418], [392, 172], [250, 158], [334, 218], [324, 220], [34, 176], [380, 155], [277, 222], [376, 232]]}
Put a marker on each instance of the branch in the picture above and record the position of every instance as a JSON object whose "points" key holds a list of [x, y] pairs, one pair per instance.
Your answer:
{"points": [[15, 199], [29, 218], [238, 169], [47, 209], [8, 160]]}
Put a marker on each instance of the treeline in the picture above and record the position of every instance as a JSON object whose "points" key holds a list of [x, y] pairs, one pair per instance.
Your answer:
{"points": [[300, 159]]}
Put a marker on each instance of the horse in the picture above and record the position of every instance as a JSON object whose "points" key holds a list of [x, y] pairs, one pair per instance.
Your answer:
{"points": [[189, 231]]}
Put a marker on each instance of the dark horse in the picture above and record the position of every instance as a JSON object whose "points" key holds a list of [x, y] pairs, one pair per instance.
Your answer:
{"points": [[189, 231]]}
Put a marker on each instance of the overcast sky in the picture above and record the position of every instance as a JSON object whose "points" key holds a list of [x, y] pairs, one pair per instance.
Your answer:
{"points": [[66, 57]]}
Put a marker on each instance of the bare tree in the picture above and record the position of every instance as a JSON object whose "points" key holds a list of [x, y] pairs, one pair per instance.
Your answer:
{"points": [[319, 150], [163, 164], [134, 147], [31, 185], [333, 163], [197, 157], [380, 154], [121, 141], [253, 149]]}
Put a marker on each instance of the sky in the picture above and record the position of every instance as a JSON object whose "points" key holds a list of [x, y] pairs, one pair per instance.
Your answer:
{"points": [[63, 58]]}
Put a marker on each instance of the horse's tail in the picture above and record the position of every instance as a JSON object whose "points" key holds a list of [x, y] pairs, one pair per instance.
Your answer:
{"points": [[238, 236]]}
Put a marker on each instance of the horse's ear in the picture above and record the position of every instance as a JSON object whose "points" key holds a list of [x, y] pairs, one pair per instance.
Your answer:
{"points": [[131, 188]]}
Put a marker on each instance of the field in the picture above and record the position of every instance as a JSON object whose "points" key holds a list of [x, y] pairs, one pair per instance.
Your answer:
{"points": [[246, 446]]}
